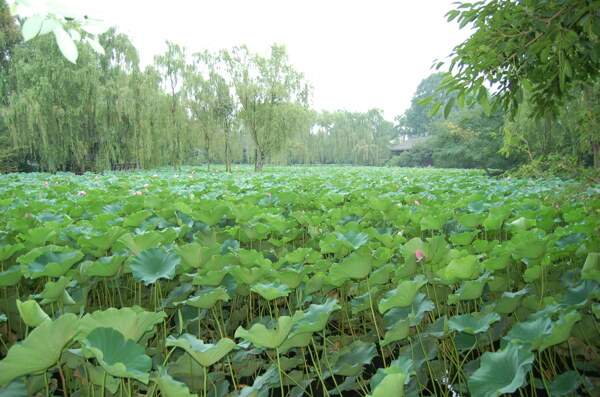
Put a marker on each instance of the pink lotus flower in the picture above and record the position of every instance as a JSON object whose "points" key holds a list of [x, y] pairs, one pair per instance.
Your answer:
{"points": [[216, 171], [96, 177], [189, 176], [193, 171], [176, 175], [419, 255], [399, 233], [46, 183], [269, 195], [531, 181], [417, 203], [397, 186], [155, 176], [146, 185], [138, 193], [82, 193], [27, 215], [56, 183], [508, 177]]}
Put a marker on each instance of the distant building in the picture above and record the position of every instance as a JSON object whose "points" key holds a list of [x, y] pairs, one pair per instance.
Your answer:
{"points": [[406, 143]]}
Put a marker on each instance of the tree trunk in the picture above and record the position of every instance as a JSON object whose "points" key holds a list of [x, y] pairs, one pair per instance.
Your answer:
{"points": [[258, 162]]}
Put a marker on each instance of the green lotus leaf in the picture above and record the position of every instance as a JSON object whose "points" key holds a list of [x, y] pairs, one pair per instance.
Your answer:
{"points": [[107, 266], [131, 322], [262, 382], [561, 329], [391, 385], [497, 262], [136, 219], [206, 354], [565, 384], [473, 323], [527, 245], [102, 242], [154, 263], [355, 238], [120, 357], [271, 291], [591, 267], [355, 266], [470, 289], [14, 389], [47, 217], [533, 273], [302, 255], [532, 332], [501, 372], [464, 268], [316, 316], [521, 224], [31, 313], [421, 305], [55, 290], [509, 301], [350, 361], [261, 336], [580, 295], [398, 331], [403, 365], [48, 261], [464, 238], [194, 255], [493, 223], [207, 298], [11, 276], [214, 216], [8, 250], [40, 350], [212, 278], [139, 242], [571, 242], [169, 387], [403, 295], [249, 276]]}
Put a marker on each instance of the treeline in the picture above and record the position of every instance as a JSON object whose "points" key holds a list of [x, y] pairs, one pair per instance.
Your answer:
{"points": [[226, 107], [565, 143]]}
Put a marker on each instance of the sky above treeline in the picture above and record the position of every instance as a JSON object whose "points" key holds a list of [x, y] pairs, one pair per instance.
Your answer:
{"points": [[357, 55]]}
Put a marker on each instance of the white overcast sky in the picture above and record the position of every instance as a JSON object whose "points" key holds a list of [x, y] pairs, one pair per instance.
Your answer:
{"points": [[357, 55]]}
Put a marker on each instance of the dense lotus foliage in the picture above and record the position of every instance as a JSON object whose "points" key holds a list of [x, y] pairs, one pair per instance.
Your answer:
{"points": [[298, 281]]}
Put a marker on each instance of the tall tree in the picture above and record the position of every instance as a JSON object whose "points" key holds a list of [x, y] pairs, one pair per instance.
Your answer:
{"points": [[171, 65], [273, 98], [544, 47]]}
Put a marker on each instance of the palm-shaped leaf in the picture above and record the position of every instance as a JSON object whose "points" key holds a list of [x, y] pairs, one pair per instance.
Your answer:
{"points": [[206, 354]]}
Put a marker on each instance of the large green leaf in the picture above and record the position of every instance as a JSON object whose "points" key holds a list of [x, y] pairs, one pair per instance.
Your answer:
{"points": [[501, 372], [31, 313], [403, 295], [473, 323], [153, 264], [207, 297], [169, 387], [131, 322], [48, 261], [119, 357], [206, 354], [40, 350], [261, 336]]}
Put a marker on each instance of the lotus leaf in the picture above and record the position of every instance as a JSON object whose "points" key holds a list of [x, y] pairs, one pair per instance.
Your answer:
{"points": [[119, 357], [207, 298], [271, 291], [206, 354], [131, 322], [154, 263], [260, 336], [403, 295], [48, 261], [501, 372], [40, 350], [473, 323], [31, 313], [10, 277]]}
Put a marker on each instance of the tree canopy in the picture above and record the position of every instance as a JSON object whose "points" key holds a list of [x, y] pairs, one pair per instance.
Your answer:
{"points": [[545, 48]]}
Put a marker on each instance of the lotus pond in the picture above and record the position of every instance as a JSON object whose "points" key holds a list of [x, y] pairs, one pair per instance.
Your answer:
{"points": [[298, 281]]}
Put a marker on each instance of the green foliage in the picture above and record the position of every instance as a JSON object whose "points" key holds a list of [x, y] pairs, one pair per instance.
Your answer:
{"points": [[546, 48], [338, 280]]}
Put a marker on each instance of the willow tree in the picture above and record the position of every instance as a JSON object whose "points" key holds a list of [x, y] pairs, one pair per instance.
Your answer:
{"points": [[50, 110], [273, 98], [172, 65], [118, 134]]}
